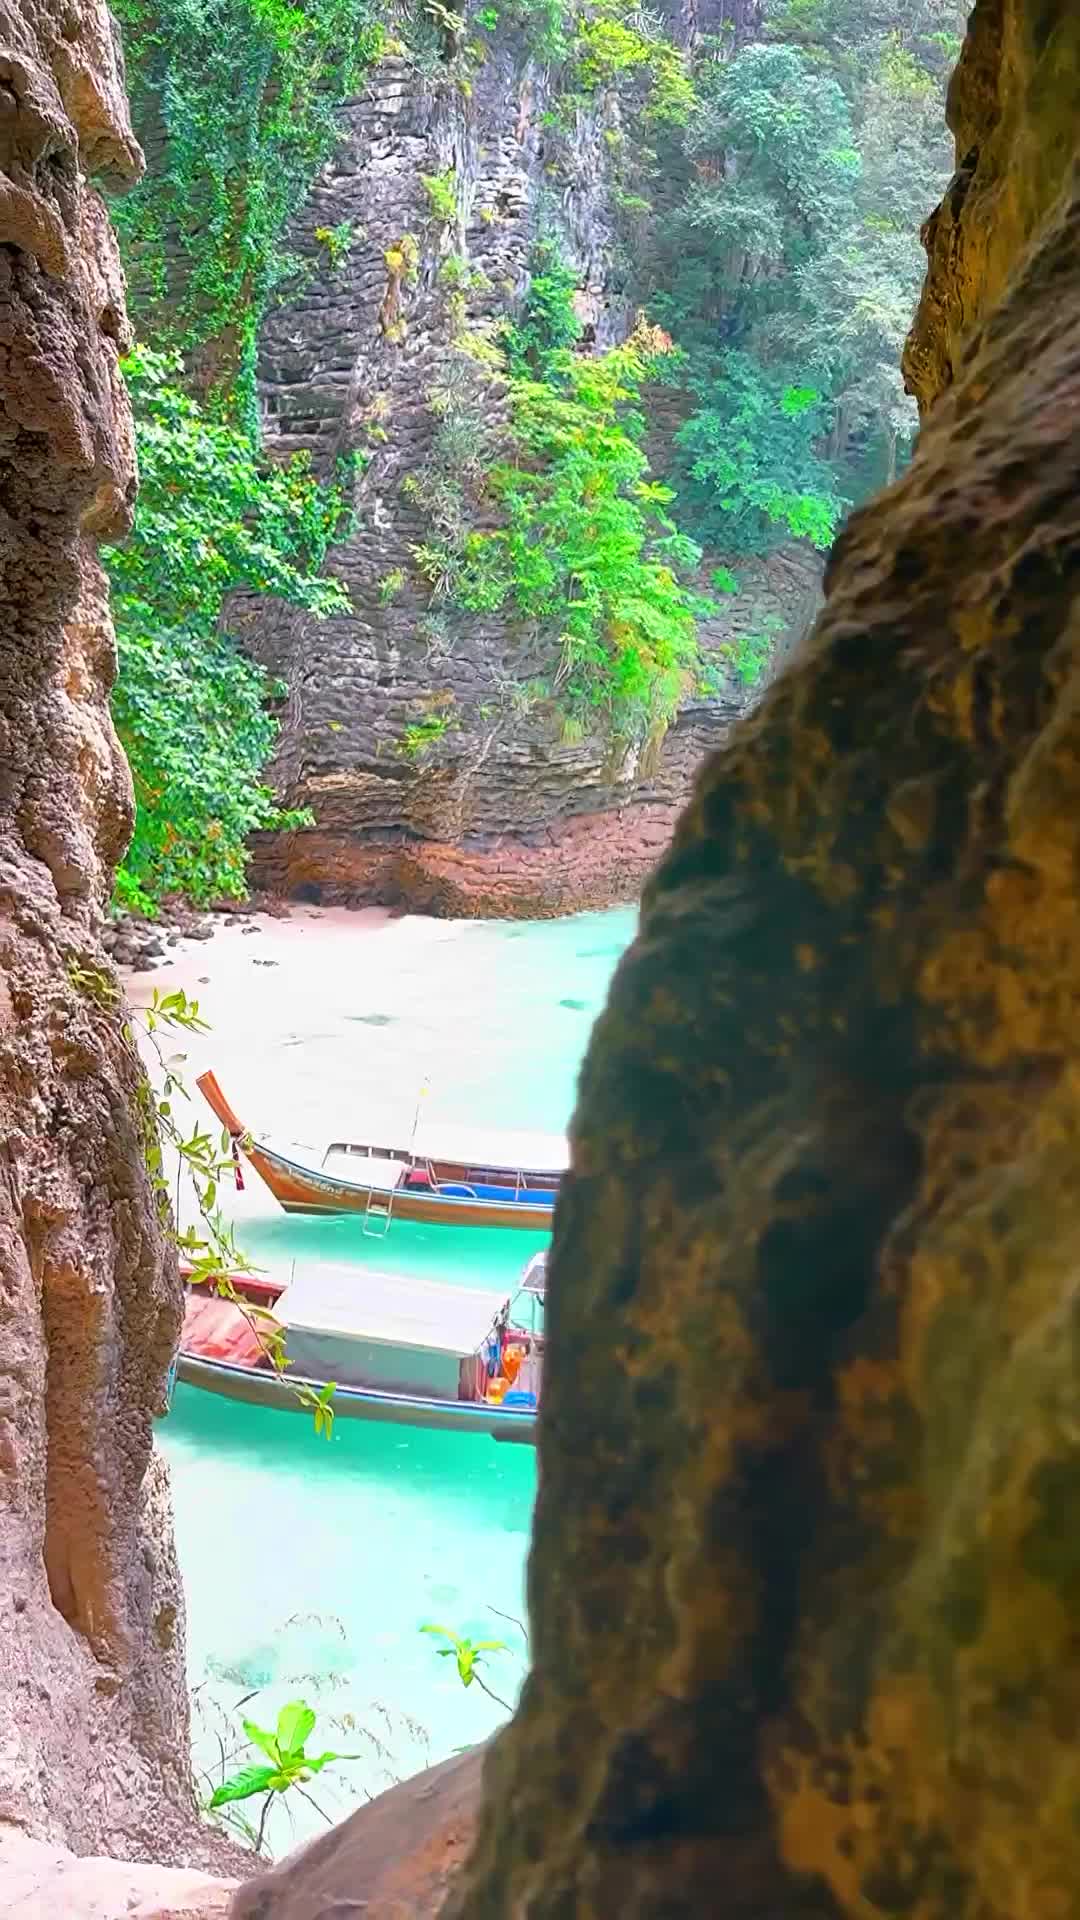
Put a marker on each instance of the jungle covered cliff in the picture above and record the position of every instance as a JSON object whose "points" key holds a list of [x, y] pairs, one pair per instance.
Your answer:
{"points": [[571, 330]]}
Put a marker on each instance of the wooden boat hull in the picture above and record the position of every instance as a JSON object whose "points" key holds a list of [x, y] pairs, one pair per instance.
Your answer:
{"points": [[424, 1193], [300, 1189], [260, 1388]]}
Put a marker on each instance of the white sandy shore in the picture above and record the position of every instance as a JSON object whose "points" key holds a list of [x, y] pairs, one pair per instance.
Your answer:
{"points": [[327, 1024], [288, 1003]]}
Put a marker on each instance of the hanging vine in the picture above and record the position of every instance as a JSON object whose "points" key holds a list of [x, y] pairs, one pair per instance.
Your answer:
{"points": [[237, 103]]}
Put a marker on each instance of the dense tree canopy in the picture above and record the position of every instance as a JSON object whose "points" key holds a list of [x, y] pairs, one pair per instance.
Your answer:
{"points": [[787, 260]]}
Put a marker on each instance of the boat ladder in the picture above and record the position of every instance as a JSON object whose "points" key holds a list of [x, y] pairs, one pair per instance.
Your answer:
{"points": [[378, 1213]]}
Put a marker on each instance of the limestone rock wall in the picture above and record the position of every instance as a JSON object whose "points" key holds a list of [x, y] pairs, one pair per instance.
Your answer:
{"points": [[805, 1628], [501, 814], [93, 1710], [1012, 112]]}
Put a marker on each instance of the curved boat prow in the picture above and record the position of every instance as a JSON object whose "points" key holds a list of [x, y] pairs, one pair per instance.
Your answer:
{"points": [[382, 1182], [219, 1106]]}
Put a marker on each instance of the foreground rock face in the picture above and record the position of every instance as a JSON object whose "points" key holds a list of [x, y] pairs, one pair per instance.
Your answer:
{"points": [[93, 1710], [39, 1882], [394, 1860], [1012, 110], [805, 1632]]}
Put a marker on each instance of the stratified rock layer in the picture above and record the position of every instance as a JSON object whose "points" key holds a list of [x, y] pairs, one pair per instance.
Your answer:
{"points": [[805, 1586], [505, 811], [93, 1711]]}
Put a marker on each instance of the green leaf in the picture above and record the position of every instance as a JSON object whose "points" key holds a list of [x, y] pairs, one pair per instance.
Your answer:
{"points": [[260, 1737], [295, 1723], [243, 1785]]}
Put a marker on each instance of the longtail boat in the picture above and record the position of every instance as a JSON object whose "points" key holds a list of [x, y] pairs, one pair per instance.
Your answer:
{"points": [[417, 1353], [444, 1178]]}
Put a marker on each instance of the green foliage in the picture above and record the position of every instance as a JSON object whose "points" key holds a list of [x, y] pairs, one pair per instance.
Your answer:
{"points": [[188, 706], [547, 324], [390, 585], [287, 1766], [441, 190], [586, 549], [749, 458], [615, 41], [243, 97], [545, 24], [210, 1253], [469, 1656], [246, 93], [455, 272], [787, 263], [751, 653], [339, 241], [423, 734]]}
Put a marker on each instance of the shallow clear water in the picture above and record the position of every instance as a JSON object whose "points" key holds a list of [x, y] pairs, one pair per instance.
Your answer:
{"points": [[311, 1565]]}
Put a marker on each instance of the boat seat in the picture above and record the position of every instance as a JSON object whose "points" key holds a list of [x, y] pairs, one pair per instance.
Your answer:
{"points": [[510, 1196]]}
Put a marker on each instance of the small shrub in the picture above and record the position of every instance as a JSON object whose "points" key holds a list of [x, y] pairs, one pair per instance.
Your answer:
{"points": [[441, 190], [287, 1766], [751, 653], [390, 585], [423, 735], [403, 259], [339, 241]]}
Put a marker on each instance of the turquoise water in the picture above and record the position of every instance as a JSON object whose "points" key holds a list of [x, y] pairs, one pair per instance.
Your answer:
{"points": [[311, 1565]]}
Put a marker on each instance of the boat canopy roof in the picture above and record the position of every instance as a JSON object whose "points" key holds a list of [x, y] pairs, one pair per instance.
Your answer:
{"points": [[389, 1309], [501, 1152]]}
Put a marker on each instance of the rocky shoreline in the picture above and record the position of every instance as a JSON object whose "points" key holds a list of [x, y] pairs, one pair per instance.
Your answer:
{"points": [[139, 945]]}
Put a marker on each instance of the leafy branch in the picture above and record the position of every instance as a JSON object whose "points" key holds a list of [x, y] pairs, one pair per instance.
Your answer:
{"points": [[470, 1655], [210, 1251], [287, 1766]]}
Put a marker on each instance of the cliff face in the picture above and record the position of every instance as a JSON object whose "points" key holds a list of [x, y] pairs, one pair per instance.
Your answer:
{"points": [[501, 813], [93, 1710]]}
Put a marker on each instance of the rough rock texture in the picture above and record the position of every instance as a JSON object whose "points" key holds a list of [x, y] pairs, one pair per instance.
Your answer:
{"points": [[362, 359], [393, 1860], [805, 1632], [93, 1710], [39, 1882], [574, 861], [1012, 111]]}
